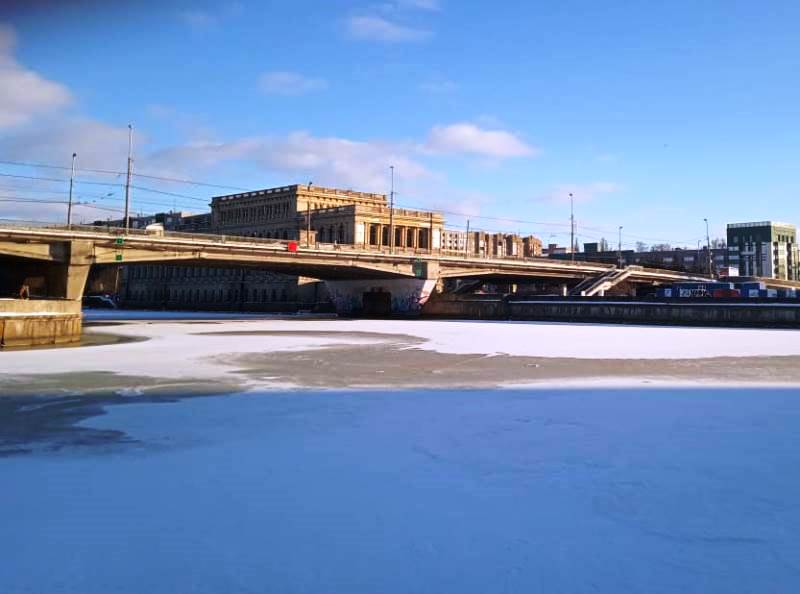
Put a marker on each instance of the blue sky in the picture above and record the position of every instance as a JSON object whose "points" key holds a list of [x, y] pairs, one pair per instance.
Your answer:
{"points": [[654, 115]]}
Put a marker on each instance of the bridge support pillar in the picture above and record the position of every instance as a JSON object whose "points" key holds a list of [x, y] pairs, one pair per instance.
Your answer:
{"points": [[68, 280], [403, 296]]}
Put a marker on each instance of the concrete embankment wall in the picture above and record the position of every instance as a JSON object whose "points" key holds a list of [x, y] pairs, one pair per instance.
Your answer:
{"points": [[32, 322], [782, 315]]}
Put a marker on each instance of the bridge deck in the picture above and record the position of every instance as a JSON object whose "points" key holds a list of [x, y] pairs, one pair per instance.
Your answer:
{"points": [[325, 261]]}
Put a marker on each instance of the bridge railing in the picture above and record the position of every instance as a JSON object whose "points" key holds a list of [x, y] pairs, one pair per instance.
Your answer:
{"points": [[153, 233], [114, 232]]}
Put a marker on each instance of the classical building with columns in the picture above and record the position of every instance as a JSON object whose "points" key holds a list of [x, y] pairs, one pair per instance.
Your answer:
{"points": [[315, 214], [369, 227], [309, 214]]}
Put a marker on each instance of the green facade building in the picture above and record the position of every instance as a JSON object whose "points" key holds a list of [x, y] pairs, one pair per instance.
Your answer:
{"points": [[765, 249]]}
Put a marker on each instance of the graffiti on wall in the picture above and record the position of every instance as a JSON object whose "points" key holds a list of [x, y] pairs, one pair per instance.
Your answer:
{"points": [[408, 295]]}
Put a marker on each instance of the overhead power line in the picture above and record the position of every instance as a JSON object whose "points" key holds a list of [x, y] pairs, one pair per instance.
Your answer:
{"points": [[506, 220], [38, 201], [57, 179], [113, 172], [144, 189]]}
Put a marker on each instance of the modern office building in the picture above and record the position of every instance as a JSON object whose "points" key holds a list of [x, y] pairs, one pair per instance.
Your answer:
{"points": [[766, 249]]}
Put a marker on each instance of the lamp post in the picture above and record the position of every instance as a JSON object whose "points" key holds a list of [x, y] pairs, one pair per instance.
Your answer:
{"points": [[391, 213], [619, 247], [71, 182], [128, 179], [708, 249], [572, 226]]}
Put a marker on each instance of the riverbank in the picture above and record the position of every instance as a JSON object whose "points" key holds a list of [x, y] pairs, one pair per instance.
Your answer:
{"points": [[706, 312]]}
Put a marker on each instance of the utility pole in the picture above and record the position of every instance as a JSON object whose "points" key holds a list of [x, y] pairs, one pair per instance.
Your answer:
{"points": [[619, 247], [308, 224], [391, 213], [572, 226], [71, 182], [708, 248], [308, 218], [128, 179], [430, 236]]}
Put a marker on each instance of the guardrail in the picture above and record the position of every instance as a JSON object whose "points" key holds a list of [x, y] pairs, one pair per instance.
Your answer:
{"points": [[115, 232]]}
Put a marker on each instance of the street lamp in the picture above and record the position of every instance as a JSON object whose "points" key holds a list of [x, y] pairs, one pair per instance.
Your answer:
{"points": [[391, 213], [71, 182], [572, 226], [619, 247], [708, 248]]}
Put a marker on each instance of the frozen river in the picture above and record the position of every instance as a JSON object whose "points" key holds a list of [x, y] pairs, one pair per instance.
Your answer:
{"points": [[224, 470]]}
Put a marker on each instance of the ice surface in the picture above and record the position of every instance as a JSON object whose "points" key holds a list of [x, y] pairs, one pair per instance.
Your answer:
{"points": [[603, 491], [184, 348]]}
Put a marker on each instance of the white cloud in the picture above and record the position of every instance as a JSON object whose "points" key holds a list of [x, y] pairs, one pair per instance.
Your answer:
{"points": [[25, 94], [468, 138], [300, 156], [98, 145], [289, 83], [583, 192], [357, 164], [375, 28]]}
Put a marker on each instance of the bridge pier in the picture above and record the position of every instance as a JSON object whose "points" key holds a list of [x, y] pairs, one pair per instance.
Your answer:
{"points": [[380, 297], [70, 278], [403, 296], [385, 296], [56, 318]]}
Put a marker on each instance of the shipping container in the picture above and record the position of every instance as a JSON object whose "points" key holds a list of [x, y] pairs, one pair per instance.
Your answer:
{"points": [[718, 293], [757, 285]]}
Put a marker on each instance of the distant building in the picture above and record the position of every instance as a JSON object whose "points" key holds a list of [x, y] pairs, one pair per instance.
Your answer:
{"points": [[503, 245], [684, 260], [553, 249], [766, 249], [316, 214], [454, 241], [172, 221]]}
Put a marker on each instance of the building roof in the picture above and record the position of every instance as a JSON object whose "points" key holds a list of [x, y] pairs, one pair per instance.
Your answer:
{"points": [[758, 224], [302, 188]]}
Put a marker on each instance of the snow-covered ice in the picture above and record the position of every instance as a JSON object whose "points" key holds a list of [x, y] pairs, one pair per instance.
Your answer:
{"points": [[205, 349], [539, 339], [602, 491]]}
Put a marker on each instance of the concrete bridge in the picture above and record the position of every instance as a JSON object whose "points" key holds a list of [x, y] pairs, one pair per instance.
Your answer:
{"points": [[61, 258]]}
